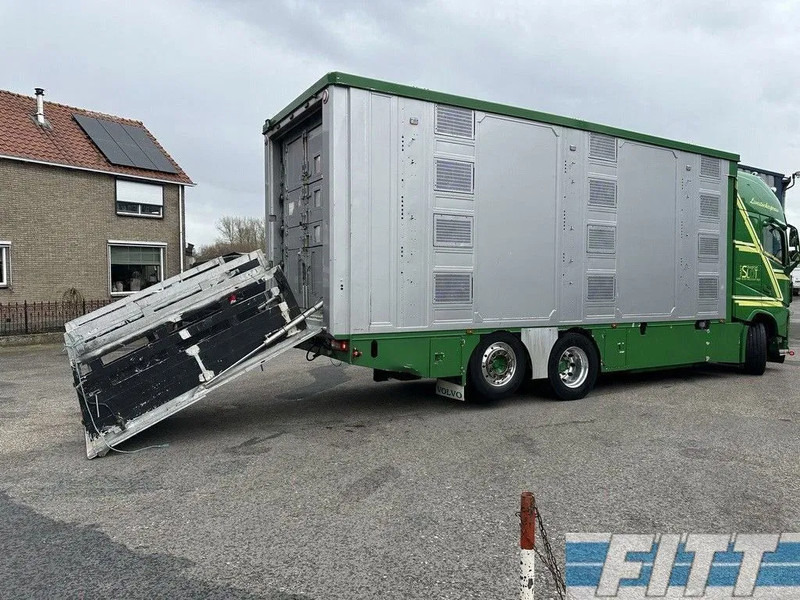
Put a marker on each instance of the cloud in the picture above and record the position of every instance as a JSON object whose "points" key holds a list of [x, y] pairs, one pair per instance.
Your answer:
{"points": [[204, 74]]}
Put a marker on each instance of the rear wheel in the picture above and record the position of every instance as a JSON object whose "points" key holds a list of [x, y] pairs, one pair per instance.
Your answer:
{"points": [[755, 350], [573, 366], [496, 367]]}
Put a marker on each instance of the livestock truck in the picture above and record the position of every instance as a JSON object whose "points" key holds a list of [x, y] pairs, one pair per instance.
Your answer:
{"points": [[426, 235], [482, 244]]}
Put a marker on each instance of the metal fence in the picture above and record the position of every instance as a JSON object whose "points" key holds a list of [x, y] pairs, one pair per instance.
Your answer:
{"points": [[19, 318]]}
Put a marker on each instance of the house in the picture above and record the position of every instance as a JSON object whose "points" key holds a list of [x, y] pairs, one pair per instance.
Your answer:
{"points": [[91, 205]]}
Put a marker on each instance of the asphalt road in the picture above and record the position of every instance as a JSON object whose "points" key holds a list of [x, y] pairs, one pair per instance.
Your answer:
{"points": [[310, 481]]}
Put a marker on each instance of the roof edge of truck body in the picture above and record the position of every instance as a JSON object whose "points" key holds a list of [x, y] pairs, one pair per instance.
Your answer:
{"points": [[407, 91]]}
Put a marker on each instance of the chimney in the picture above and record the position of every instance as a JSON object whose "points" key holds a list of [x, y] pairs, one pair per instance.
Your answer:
{"points": [[40, 106]]}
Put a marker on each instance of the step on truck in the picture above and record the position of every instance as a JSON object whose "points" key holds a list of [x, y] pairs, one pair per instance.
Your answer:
{"points": [[426, 235]]}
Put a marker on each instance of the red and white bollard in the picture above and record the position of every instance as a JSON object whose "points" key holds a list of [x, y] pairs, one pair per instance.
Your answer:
{"points": [[527, 535]]}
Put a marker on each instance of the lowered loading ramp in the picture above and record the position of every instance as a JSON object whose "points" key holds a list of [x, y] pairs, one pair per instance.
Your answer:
{"points": [[141, 359]]}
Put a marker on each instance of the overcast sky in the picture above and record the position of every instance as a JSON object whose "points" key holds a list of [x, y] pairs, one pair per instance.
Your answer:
{"points": [[203, 75]]}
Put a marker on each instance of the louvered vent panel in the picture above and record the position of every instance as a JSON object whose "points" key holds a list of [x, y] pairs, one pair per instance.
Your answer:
{"points": [[601, 239], [709, 167], [454, 176], [603, 147], [708, 247], [708, 288], [709, 206], [458, 122], [452, 288], [602, 193], [454, 231], [600, 288]]}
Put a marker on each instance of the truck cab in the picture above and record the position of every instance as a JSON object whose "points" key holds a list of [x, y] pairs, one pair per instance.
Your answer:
{"points": [[766, 250]]}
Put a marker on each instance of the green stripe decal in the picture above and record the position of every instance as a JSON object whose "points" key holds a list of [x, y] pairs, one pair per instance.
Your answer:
{"points": [[767, 266]]}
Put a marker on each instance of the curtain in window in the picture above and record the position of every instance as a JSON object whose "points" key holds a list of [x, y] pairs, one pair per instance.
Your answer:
{"points": [[135, 255]]}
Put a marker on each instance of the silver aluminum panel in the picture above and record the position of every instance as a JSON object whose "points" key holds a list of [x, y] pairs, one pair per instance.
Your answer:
{"points": [[414, 219], [539, 342], [570, 218], [382, 226], [515, 220], [646, 231], [566, 227]]}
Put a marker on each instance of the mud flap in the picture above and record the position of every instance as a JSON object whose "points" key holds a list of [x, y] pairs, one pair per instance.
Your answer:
{"points": [[451, 390]]}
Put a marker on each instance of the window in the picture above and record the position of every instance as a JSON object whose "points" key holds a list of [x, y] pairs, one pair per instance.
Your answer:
{"points": [[773, 243], [135, 267], [139, 199], [5, 267]]}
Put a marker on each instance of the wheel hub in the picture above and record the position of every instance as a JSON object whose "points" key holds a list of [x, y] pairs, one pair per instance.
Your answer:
{"points": [[498, 364], [573, 367]]}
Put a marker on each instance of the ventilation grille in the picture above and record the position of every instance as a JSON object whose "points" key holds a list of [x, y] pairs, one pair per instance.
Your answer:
{"points": [[603, 147], [458, 122], [453, 231], [708, 247], [709, 167], [603, 193], [601, 239], [452, 288], [708, 288], [600, 288], [454, 176], [709, 206]]}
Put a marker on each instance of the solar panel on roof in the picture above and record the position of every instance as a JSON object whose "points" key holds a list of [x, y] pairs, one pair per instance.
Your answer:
{"points": [[152, 151], [126, 145], [104, 142]]}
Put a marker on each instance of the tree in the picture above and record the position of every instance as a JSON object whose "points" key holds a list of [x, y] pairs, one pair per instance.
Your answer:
{"points": [[236, 234]]}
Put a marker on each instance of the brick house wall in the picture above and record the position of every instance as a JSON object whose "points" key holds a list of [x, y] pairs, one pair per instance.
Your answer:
{"points": [[59, 222]]}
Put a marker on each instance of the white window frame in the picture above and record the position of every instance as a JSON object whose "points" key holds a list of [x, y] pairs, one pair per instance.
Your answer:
{"points": [[5, 270], [133, 186], [126, 243]]}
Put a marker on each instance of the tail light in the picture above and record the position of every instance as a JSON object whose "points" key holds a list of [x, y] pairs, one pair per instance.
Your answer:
{"points": [[340, 346]]}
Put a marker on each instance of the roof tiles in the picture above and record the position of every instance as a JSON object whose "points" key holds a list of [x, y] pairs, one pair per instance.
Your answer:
{"points": [[64, 143]]}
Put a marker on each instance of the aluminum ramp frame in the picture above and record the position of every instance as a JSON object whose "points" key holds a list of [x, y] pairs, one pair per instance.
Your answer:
{"points": [[155, 352], [101, 444]]}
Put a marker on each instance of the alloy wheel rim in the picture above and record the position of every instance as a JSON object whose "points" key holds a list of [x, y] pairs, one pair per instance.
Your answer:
{"points": [[498, 364], [573, 367]]}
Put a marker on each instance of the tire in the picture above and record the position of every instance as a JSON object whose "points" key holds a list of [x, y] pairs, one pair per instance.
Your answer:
{"points": [[496, 368], [573, 366], [755, 350]]}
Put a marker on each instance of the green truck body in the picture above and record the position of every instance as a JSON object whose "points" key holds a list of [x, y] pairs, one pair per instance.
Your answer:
{"points": [[356, 188]]}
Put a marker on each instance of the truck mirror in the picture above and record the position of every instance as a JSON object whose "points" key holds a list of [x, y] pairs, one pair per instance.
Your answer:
{"points": [[794, 247]]}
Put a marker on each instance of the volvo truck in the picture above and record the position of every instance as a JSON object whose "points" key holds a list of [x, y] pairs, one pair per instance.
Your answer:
{"points": [[482, 244]]}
